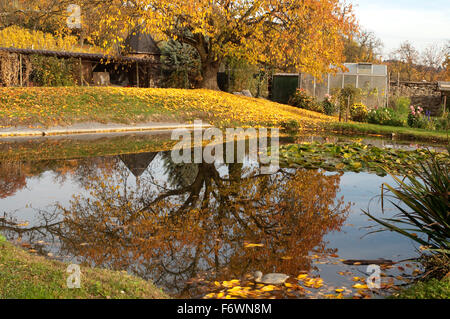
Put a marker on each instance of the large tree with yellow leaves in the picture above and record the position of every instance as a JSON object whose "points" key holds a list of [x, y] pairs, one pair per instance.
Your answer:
{"points": [[301, 34]]}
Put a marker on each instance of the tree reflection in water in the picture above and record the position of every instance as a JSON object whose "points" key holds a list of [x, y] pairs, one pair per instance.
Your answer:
{"points": [[173, 222]]}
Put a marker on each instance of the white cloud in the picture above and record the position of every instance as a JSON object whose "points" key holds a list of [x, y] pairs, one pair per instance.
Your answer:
{"points": [[394, 24]]}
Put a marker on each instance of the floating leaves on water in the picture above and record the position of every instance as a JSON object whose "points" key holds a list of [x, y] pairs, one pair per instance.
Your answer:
{"points": [[354, 157], [313, 282]]}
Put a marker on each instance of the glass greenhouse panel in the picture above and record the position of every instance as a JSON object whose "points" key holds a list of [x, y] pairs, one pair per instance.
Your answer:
{"points": [[364, 68], [321, 88], [379, 70], [349, 80]]}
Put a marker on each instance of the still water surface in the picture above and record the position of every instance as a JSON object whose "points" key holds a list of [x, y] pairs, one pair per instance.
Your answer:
{"points": [[183, 224]]}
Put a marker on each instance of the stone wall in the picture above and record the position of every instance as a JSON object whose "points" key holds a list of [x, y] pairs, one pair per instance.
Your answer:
{"points": [[425, 94]]}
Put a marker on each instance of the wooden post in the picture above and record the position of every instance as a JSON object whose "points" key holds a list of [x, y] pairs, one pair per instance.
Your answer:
{"points": [[20, 70], [348, 109], [388, 89], [81, 73], [137, 74], [445, 103]]}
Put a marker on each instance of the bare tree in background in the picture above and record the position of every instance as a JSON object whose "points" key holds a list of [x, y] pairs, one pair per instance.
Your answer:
{"points": [[432, 57], [408, 58]]}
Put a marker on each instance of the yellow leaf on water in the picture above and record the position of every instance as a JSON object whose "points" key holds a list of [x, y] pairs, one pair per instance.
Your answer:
{"points": [[302, 276], [360, 286], [268, 288]]}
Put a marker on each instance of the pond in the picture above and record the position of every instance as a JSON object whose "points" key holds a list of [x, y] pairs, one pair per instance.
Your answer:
{"points": [[194, 228]]}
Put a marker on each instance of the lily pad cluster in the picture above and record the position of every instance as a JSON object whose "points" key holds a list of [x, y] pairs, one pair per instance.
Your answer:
{"points": [[354, 157]]}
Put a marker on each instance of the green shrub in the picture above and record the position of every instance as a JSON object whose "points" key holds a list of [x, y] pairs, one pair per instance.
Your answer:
{"points": [[303, 100], [386, 116], [180, 65], [443, 123], [329, 108], [379, 116], [51, 71], [358, 112], [402, 104]]}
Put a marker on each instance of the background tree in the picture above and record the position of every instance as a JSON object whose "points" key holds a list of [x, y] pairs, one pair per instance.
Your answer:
{"points": [[363, 47], [42, 15], [303, 34], [432, 58], [407, 64]]}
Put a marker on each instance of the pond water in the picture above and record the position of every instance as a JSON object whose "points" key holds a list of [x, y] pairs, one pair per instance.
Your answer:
{"points": [[185, 226]]}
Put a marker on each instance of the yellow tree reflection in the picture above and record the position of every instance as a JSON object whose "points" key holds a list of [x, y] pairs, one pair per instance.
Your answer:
{"points": [[177, 230]]}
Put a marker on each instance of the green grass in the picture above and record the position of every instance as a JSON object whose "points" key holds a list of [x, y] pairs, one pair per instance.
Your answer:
{"points": [[432, 289], [405, 133], [26, 276]]}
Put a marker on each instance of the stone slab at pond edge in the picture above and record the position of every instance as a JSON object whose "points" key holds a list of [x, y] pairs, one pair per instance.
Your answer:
{"points": [[93, 128]]}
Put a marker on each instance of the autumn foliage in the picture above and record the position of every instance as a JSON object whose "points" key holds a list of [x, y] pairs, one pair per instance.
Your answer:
{"points": [[306, 35], [41, 107]]}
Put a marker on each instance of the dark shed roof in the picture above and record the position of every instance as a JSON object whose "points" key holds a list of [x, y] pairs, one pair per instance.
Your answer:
{"points": [[141, 43], [137, 163]]}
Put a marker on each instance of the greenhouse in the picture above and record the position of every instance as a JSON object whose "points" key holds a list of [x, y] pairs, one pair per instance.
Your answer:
{"points": [[372, 79]]}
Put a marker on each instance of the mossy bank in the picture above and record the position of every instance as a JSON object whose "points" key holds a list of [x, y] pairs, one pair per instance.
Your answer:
{"points": [[27, 276]]}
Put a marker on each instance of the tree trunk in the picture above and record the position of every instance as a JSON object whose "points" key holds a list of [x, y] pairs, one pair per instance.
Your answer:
{"points": [[209, 75]]}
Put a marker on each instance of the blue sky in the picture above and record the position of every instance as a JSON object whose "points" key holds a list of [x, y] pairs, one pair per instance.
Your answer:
{"points": [[422, 22]]}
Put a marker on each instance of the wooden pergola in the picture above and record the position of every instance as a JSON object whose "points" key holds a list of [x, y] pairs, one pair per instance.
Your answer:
{"points": [[143, 63]]}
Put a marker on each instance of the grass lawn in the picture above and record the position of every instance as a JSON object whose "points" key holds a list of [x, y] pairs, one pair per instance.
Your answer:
{"points": [[432, 289], [26, 276]]}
